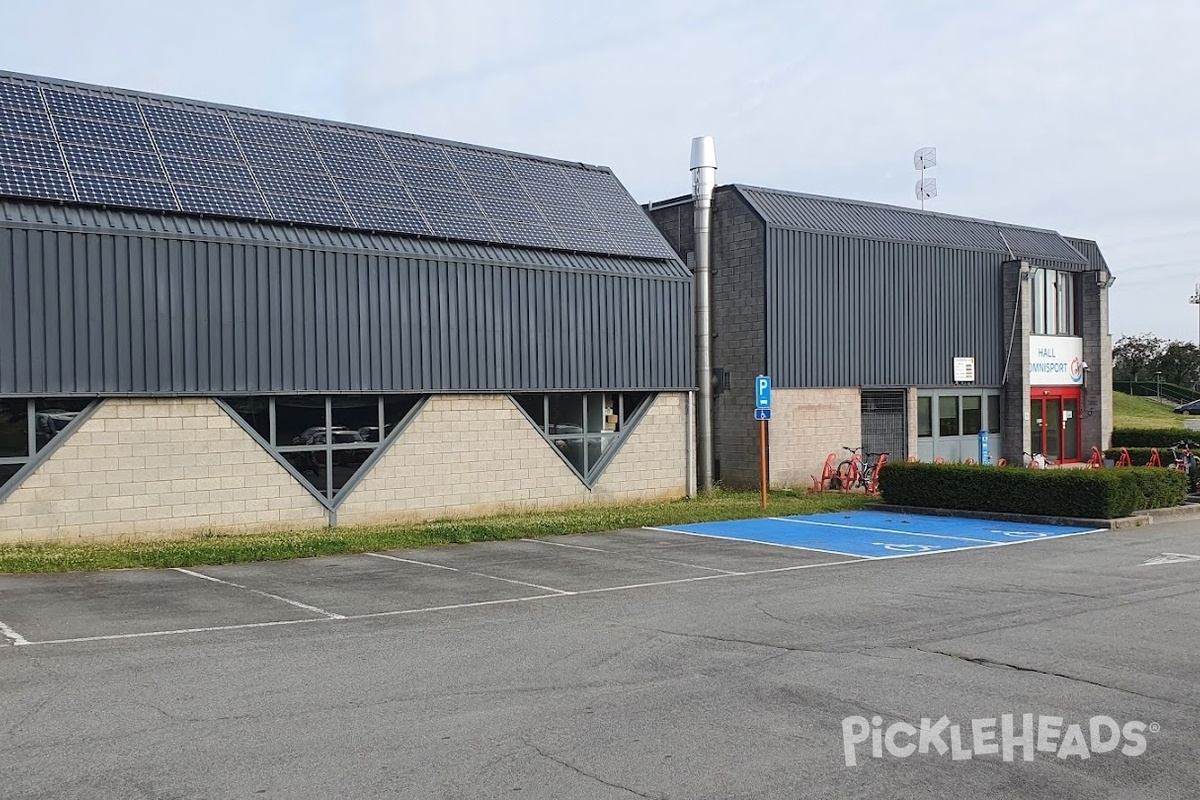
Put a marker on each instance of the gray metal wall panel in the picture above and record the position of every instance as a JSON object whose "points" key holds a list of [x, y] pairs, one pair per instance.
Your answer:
{"points": [[90, 312], [844, 311]]}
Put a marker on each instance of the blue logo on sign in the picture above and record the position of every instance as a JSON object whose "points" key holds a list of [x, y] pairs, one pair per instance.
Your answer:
{"points": [[762, 414], [762, 391]]}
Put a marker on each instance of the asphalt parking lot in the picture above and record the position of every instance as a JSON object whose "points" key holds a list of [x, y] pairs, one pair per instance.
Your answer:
{"points": [[631, 663]]}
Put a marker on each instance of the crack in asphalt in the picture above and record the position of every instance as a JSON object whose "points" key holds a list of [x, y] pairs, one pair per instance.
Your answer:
{"points": [[586, 774], [987, 662]]}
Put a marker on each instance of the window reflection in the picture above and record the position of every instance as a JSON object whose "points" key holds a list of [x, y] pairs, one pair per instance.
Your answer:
{"points": [[327, 456], [27, 426], [583, 428]]}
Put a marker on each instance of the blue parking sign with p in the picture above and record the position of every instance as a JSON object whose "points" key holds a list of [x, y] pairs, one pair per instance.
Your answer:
{"points": [[762, 391]]}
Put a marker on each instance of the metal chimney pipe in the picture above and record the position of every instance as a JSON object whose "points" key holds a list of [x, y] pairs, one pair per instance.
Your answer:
{"points": [[704, 180]]}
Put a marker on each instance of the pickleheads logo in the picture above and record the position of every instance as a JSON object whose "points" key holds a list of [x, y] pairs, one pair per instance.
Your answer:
{"points": [[1049, 735]]}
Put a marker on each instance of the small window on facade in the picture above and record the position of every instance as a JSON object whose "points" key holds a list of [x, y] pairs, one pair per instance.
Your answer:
{"points": [[972, 414], [993, 413], [1037, 300], [327, 440], [584, 428], [948, 416], [924, 416], [27, 426]]}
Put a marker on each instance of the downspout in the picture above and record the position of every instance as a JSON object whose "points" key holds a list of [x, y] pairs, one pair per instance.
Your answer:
{"points": [[704, 179]]}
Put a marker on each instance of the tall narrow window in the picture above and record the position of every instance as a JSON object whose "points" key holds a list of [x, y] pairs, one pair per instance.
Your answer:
{"points": [[924, 416], [948, 416], [972, 414], [585, 429], [993, 412]]}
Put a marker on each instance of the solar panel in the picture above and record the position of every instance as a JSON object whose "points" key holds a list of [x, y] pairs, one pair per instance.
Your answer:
{"points": [[221, 202], [30, 153], [209, 173], [104, 134], [283, 157], [237, 163], [190, 146], [185, 121], [375, 194], [98, 160], [26, 123], [40, 183], [107, 190], [72, 104], [16, 96]]}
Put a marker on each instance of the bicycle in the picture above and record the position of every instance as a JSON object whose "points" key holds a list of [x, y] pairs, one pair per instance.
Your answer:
{"points": [[1037, 460], [1187, 463], [853, 473]]}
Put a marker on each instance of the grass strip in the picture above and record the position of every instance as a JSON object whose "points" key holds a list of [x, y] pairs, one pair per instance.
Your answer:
{"points": [[231, 548]]}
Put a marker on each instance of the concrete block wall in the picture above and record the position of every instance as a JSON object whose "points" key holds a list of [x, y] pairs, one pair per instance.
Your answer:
{"points": [[739, 322], [1014, 394], [472, 454], [739, 334], [1097, 353], [139, 468], [806, 426]]}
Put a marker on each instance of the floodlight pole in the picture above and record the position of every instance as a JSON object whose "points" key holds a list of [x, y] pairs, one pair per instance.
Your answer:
{"points": [[1196, 301]]}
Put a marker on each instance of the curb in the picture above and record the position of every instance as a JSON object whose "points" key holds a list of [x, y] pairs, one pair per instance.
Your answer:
{"points": [[1121, 523]]}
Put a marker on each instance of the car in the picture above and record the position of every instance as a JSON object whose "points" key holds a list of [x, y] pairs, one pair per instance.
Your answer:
{"points": [[1188, 408]]}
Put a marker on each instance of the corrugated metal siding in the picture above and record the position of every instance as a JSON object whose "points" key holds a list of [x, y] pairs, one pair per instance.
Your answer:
{"points": [[43, 215], [845, 311], [85, 310], [1090, 250], [893, 223]]}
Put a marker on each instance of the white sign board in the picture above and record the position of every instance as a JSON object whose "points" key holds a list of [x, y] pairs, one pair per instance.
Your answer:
{"points": [[1055, 361], [964, 369]]}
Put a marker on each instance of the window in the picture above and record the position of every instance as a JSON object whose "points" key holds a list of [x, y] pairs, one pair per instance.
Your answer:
{"points": [[993, 413], [327, 440], [947, 416], [972, 415], [924, 416], [27, 426], [1055, 298], [585, 429]]}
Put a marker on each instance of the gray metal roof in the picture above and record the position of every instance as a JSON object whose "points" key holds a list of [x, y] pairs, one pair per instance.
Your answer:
{"points": [[1090, 251], [808, 212], [116, 220], [80, 144]]}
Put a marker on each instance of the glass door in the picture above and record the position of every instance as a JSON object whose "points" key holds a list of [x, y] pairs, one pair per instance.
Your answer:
{"points": [[1053, 426], [1070, 423]]}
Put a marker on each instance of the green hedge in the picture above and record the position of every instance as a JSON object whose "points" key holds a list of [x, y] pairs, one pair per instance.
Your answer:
{"points": [[1162, 438], [1086, 493]]}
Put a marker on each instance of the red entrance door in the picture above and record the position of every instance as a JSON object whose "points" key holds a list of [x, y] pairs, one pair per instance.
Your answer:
{"points": [[1056, 429]]}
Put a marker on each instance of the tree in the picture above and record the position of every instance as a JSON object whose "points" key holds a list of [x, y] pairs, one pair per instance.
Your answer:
{"points": [[1135, 357], [1179, 363]]}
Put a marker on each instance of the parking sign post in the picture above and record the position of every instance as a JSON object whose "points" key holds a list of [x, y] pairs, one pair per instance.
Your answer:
{"points": [[762, 413]]}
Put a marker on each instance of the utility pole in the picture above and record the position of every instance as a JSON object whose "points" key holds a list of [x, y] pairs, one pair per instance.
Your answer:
{"points": [[1196, 301]]}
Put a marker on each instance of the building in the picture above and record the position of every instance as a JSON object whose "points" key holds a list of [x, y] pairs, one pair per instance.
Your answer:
{"points": [[214, 318], [903, 331]]}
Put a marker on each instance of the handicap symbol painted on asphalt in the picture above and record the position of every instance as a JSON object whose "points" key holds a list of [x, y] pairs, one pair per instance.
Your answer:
{"points": [[1027, 534], [906, 548]]}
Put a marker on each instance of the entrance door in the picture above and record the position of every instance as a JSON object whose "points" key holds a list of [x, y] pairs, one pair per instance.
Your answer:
{"points": [[1054, 424]]}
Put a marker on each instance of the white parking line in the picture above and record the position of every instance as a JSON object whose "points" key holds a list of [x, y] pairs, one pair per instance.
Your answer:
{"points": [[430, 609], [522, 583], [411, 561], [756, 541], [295, 603], [562, 544], [880, 530], [12, 635], [635, 556]]}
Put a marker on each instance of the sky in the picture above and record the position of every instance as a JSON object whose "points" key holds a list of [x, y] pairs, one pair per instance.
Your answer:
{"points": [[1082, 117]]}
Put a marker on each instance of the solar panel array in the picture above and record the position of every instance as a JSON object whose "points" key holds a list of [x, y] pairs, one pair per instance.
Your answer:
{"points": [[76, 144]]}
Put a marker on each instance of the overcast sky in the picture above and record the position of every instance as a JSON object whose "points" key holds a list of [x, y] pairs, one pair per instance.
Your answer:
{"points": [[1077, 116]]}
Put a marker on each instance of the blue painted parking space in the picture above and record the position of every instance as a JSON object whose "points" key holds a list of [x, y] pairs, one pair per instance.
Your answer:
{"points": [[878, 534]]}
